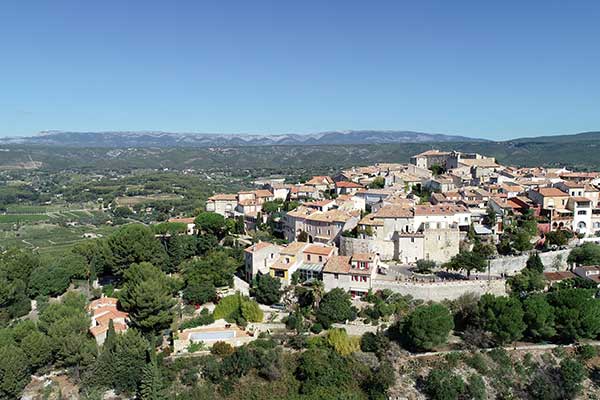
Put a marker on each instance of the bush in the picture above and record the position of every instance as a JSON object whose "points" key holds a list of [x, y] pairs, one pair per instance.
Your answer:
{"points": [[477, 362], [205, 318], [239, 309], [222, 349], [341, 342], [442, 384], [476, 387], [586, 352], [316, 328]]}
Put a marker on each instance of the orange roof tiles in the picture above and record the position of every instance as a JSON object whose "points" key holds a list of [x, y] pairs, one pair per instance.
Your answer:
{"points": [[321, 250], [552, 192]]}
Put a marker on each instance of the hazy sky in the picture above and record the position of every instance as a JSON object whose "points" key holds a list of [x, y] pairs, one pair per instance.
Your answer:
{"points": [[479, 68]]}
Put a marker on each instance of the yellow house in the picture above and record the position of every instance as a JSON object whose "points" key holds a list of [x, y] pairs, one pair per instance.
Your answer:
{"points": [[287, 263]]}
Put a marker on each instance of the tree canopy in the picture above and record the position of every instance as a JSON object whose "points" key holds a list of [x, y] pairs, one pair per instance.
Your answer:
{"points": [[427, 326]]}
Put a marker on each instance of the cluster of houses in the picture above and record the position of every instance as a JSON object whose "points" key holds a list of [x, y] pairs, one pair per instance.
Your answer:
{"points": [[347, 226]]}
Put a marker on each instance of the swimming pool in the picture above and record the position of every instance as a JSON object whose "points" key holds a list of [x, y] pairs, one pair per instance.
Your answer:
{"points": [[208, 336]]}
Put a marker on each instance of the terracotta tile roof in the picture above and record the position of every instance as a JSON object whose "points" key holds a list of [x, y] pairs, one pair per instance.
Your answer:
{"points": [[394, 211], [293, 248], [223, 197], [103, 301], [433, 153], [247, 202], [581, 199], [263, 193], [320, 180], [552, 192], [281, 265], [331, 216], [573, 185], [337, 265], [370, 220], [321, 250], [346, 184], [440, 209], [258, 246], [479, 162], [559, 276], [363, 257]]}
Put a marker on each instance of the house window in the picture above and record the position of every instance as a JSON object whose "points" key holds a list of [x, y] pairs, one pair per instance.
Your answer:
{"points": [[336, 276], [308, 257], [279, 273], [581, 212], [320, 258]]}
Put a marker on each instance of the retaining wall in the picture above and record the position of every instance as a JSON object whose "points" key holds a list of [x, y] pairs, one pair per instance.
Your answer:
{"points": [[439, 291]]}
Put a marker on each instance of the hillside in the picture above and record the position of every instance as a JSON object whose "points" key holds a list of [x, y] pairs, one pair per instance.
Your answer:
{"points": [[168, 139], [577, 154]]}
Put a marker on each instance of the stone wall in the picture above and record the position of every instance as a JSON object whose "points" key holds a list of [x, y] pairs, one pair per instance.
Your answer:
{"points": [[349, 246], [511, 265], [439, 291]]}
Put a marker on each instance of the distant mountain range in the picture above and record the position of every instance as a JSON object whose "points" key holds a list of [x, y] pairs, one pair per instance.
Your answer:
{"points": [[169, 139]]}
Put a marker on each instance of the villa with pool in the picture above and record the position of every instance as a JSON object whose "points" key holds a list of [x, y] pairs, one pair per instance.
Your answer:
{"points": [[218, 331]]}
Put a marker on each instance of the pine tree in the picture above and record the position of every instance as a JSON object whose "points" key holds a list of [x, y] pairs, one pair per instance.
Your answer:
{"points": [[103, 371], [152, 385]]}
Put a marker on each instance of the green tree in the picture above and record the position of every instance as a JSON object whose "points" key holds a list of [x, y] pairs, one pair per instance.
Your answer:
{"points": [[425, 266], [270, 207], [14, 372], [442, 384], [534, 263], [181, 248], [135, 243], [577, 313], [251, 311], [503, 317], [586, 254], [538, 317], [476, 387], [572, 373], [335, 306], [427, 326], [146, 295], [129, 361], [527, 281], [38, 349], [152, 385], [122, 212], [467, 261], [49, 280], [211, 223], [266, 289], [199, 291], [98, 254], [377, 183]]}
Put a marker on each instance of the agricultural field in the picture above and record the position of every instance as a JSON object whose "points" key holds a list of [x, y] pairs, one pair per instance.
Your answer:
{"points": [[130, 201], [48, 238]]}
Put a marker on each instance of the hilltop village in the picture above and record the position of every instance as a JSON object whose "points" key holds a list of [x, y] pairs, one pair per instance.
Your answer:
{"points": [[383, 226]]}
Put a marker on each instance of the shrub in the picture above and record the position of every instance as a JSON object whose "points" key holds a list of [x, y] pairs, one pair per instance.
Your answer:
{"points": [[442, 384], [316, 328], [205, 318], [221, 349], [586, 352], [477, 362], [341, 342]]}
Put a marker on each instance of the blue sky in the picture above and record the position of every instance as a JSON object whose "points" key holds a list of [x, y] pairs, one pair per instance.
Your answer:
{"points": [[478, 68]]}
